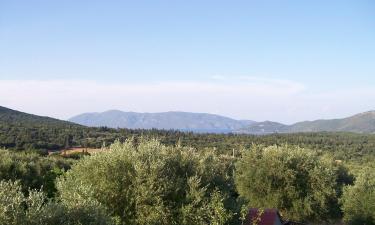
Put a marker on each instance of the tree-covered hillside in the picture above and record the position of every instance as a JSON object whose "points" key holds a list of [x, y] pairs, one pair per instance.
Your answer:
{"points": [[17, 118], [22, 131]]}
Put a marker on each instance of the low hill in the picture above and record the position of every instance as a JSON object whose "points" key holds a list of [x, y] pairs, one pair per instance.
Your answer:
{"points": [[266, 127], [19, 130], [359, 123], [184, 121], [14, 117]]}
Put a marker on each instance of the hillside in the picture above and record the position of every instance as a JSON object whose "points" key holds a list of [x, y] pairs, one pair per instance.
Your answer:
{"points": [[359, 123], [14, 117], [21, 130], [184, 121]]}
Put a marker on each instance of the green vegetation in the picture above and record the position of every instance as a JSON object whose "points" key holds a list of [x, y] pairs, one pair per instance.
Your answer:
{"points": [[183, 178], [358, 201], [154, 184], [302, 185], [143, 181], [32, 170], [34, 209]]}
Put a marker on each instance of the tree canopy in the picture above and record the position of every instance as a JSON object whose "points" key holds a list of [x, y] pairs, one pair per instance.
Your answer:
{"points": [[298, 182], [358, 201], [145, 181], [150, 183]]}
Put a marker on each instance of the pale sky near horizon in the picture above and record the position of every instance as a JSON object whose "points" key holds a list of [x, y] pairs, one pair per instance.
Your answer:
{"points": [[284, 61]]}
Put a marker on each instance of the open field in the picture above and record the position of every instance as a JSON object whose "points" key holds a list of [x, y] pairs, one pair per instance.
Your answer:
{"points": [[77, 150]]}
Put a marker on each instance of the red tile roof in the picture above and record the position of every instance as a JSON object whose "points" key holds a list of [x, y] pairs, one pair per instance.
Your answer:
{"points": [[267, 217]]}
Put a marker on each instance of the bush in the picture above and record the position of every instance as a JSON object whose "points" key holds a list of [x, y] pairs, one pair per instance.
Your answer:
{"points": [[294, 180], [358, 200], [153, 184], [32, 170], [36, 209]]}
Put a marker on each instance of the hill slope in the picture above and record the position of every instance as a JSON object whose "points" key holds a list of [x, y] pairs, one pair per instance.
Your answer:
{"points": [[198, 122], [19, 130], [14, 117], [359, 123]]}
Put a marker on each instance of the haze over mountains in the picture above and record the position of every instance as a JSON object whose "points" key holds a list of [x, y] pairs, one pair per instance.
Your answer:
{"points": [[197, 122], [204, 122]]}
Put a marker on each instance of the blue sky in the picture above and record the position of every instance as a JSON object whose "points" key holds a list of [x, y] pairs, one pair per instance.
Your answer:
{"points": [[316, 52]]}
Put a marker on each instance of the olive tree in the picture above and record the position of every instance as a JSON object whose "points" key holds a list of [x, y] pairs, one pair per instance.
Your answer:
{"points": [[18, 209], [358, 200], [149, 183], [294, 180]]}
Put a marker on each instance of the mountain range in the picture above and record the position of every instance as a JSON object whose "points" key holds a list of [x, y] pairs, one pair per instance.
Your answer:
{"points": [[196, 122], [185, 121], [211, 123]]}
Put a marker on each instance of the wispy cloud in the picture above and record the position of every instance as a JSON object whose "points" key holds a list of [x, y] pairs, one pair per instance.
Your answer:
{"points": [[240, 97]]}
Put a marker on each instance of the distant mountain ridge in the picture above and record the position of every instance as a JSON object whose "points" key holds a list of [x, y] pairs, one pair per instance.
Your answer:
{"points": [[359, 123], [211, 123], [185, 121], [176, 120], [266, 127]]}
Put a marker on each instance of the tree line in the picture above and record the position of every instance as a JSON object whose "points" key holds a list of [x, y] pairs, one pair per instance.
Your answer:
{"points": [[57, 136]]}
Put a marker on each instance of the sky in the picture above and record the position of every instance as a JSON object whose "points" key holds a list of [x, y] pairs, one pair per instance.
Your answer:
{"points": [[284, 61]]}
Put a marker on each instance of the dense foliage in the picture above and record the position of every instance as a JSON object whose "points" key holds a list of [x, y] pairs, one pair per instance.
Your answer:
{"points": [[358, 201], [154, 184], [146, 182], [32, 170], [35, 209], [302, 185]]}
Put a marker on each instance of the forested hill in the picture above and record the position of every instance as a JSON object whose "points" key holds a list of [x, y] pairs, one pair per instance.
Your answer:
{"points": [[359, 123], [23, 131], [14, 117], [19, 130]]}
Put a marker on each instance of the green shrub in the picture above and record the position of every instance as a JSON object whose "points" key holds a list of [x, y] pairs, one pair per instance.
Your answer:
{"points": [[294, 180], [36, 209], [153, 184], [358, 200], [32, 170]]}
